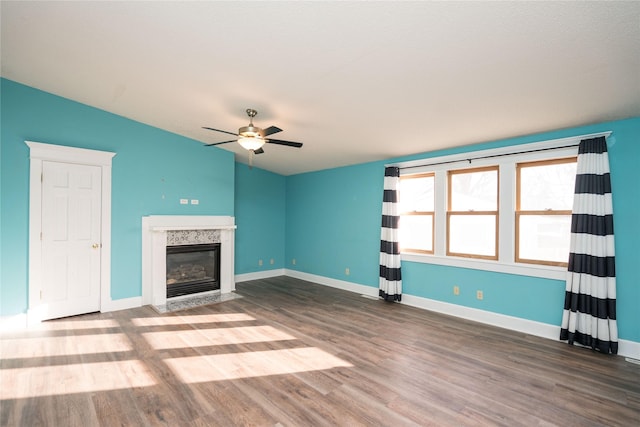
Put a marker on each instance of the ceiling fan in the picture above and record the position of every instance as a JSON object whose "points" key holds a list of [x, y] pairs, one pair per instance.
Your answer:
{"points": [[252, 138]]}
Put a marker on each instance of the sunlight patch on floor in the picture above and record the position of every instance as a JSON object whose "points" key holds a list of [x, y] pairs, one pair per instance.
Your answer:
{"points": [[221, 367], [60, 325], [75, 378], [19, 348], [221, 336], [200, 318]]}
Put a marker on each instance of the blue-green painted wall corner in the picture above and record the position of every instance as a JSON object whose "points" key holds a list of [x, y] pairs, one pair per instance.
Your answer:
{"points": [[333, 223], [152, 170], [260, 217]]}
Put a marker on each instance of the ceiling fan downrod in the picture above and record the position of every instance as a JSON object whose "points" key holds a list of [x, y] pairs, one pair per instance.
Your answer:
{"points": [[251, 131]]}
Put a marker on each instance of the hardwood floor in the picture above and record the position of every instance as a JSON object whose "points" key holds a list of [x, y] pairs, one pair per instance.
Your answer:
{"points": [[293, 353]]}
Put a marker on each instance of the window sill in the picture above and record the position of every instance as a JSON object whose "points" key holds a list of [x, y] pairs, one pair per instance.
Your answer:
{"points": [[542, 271]]}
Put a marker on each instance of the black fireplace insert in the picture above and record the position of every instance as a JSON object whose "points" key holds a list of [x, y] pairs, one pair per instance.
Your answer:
{"points": [[193, 269]]}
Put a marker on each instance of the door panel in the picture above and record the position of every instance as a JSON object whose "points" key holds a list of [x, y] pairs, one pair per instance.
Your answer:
{"points": [[71, 198]]}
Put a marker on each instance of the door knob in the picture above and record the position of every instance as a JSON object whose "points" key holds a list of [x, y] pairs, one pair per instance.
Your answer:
{"points": [[95, 245]]}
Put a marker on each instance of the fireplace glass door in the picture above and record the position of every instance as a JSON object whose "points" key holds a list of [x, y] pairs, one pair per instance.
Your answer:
{"points": [[193, 269]]}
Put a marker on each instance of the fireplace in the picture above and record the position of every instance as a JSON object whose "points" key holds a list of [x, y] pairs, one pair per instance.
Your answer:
{"points": [[192, 269], [160, 232]]}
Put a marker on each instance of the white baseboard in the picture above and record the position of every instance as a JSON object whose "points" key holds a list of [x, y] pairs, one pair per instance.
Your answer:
{"points": [[629, 349], [544, 330], [334, 283], [121, 304], [530, 327], [259, 275]]}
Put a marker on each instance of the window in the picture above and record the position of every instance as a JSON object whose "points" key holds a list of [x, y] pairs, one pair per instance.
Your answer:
{"points": [[472, 213], [417, 213], [544, 198], [504, 209]]}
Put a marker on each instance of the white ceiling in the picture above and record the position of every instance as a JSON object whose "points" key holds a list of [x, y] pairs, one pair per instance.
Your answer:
{"points": [[354, 81]]}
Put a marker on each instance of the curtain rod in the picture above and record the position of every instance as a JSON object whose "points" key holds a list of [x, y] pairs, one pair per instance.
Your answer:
{"points": [[489, 156]]}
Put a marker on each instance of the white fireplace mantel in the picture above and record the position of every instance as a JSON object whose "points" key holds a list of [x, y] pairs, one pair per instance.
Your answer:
{"points": [[193, 227], [154, 246]]}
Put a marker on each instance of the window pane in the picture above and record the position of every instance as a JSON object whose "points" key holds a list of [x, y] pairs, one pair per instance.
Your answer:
{"points": [[416, 232], [416, 194], [545, 237], [476, 191], [472, 234], [547, 186]]}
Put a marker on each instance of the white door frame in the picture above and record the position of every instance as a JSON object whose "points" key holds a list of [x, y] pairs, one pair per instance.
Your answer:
{"points": [[40, 152]]}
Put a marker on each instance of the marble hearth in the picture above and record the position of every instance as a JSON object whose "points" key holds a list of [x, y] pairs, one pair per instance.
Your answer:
{"points": [[157, 230]]}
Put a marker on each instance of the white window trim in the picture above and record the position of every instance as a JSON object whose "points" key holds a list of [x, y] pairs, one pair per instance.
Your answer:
{"points": [[507, 162]]}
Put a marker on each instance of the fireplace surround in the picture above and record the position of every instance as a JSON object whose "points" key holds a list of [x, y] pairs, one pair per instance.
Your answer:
{"points": [[161, 231]]}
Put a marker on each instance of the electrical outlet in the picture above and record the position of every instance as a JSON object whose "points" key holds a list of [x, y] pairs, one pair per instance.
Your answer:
{"points": [[184, 201], [456, 290], [272, 261], [293, 261], [347, 271], [260, 262], [195, 201], [480, 295]]}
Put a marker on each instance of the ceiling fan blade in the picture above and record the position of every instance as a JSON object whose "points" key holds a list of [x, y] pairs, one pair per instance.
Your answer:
{"points": [[218, 130], [218, 143], [271, 130], [258, 151], [287, 143]]}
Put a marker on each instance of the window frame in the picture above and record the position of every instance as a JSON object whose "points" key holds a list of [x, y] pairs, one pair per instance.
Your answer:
{"points": [[421, 213], [450, 212], [505, 157], [519, 213]]}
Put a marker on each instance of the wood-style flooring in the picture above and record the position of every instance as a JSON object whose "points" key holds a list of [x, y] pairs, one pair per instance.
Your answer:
{"points": [[294, 353]]}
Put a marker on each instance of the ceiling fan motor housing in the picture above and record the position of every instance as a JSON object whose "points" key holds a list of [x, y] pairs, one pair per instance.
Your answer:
{"points": [[253, 138], [251, 132]]}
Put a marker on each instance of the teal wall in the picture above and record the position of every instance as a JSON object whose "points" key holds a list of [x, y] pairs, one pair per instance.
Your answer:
{"points": [[327, 221], [152, 170], [333, 223], [260, 216]]}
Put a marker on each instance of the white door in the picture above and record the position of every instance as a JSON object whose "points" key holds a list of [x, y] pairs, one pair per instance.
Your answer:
{"points": [[71, 244]]}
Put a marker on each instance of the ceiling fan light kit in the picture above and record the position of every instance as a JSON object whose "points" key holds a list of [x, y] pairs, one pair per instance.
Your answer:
{"points": [[252, 138], [251, 142]]}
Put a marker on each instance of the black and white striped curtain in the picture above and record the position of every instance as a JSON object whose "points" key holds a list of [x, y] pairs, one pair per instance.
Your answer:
{"points": [[390, 275], [589, 316]]}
